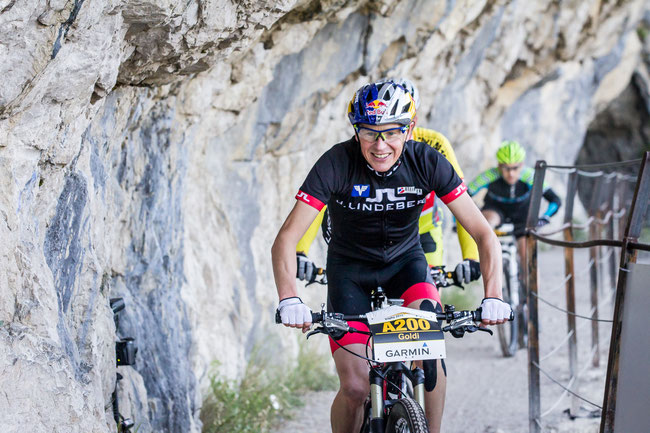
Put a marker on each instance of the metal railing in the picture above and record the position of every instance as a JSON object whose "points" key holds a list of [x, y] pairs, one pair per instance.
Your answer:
{"points": [[615, 204]]}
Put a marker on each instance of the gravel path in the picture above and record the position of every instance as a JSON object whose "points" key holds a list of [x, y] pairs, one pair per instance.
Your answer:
{"points": [[487, 393]]}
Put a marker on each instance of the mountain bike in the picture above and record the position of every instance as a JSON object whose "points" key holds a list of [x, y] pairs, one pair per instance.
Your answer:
{"points": [[399, 336], [512, 335]]}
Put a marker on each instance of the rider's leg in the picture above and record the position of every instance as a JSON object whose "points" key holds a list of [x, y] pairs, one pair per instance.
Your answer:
{"points": [[347, 296], [347, 408], [434, 401]]}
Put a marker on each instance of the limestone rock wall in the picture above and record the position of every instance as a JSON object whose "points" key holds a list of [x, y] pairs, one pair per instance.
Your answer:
{"points": [[150, 151]]}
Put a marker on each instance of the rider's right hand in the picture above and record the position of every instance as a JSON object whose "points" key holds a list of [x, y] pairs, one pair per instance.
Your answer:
{"points": [[305, 269], [294, 313]]}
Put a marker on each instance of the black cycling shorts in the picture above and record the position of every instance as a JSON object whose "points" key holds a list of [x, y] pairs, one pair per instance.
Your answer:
{"points": [[350, 283]]}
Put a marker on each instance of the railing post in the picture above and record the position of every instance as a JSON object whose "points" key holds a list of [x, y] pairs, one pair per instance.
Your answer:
{"points": [[611, 262], [534, 400], [593, 274], [531, 268], [632, 232], [569, 273]]}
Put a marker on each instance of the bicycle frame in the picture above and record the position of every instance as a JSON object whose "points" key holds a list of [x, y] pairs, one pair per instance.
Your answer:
{"points": [[378, 381]]}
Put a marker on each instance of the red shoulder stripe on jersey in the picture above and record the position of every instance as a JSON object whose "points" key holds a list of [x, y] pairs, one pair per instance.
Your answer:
{"points": [[311, 201], [430, 200], [454, 194]]}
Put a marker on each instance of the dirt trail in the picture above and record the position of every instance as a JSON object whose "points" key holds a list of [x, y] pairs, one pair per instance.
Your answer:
{"points": [[487, 393]]}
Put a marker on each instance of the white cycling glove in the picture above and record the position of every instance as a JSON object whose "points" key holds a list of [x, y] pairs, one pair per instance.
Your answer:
{"points": [[494, 309], [294, 312]]}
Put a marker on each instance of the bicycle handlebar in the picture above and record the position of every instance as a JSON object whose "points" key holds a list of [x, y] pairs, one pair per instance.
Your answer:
{"points": [[443, 278], [450, 315], [459, 322]]}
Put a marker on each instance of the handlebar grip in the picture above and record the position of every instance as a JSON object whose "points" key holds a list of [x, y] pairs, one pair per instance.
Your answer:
{"points": [[477, 315], [315, 317]]}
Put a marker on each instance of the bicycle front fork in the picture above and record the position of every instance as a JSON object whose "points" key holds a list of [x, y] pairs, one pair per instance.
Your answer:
{"points": [[418, 387], [377, 424], [376, 403]]}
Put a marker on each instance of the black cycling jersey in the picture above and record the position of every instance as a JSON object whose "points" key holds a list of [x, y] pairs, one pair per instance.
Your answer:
{"points": [[511, 202], [374, 216]]}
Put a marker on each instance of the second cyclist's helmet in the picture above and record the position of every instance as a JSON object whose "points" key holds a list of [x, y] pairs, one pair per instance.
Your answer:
{"points": [[408, 86], [510, 152], [381, 103]]}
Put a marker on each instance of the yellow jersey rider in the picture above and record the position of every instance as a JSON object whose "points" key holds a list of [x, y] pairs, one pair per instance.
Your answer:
{"points": [[431, 218]]}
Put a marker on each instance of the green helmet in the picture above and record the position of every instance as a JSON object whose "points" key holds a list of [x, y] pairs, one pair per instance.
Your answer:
{"points": [[510, 152]]}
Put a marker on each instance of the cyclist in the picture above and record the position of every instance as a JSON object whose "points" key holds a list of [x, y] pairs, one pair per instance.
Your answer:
{"points": [[508, 192], [375, 185], [431, 218]]}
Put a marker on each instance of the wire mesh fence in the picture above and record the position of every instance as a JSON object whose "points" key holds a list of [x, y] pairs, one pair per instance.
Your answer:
{"points": [[605, 212]]}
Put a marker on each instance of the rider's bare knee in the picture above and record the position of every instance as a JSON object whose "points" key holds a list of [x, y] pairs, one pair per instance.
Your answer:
{"points": [[355, 393]]}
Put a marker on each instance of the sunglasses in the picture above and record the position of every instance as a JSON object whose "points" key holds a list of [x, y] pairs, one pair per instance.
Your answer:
{"points": [[392, 135]]}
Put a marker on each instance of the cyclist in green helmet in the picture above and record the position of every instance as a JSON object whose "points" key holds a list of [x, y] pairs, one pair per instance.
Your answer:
{"points": [[508, 192]]}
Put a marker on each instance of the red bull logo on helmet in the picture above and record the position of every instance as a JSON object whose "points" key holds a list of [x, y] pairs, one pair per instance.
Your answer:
{"points": [[376, 108]]}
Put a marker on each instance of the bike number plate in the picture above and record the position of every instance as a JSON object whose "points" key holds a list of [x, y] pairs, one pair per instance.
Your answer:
{"points": [[405, 334]]}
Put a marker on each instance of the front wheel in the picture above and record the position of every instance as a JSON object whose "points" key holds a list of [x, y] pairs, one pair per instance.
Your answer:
{"points": [[406, 416], [508, 331]]}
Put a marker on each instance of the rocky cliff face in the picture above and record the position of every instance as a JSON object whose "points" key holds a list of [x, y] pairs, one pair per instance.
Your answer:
{"points": [[150, 150]]}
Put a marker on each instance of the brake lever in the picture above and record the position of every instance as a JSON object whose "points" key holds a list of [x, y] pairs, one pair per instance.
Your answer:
{"points": [[489, 331], [318, 330]]}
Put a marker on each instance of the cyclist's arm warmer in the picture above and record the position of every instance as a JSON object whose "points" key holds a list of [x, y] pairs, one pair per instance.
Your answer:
{"points": [[308, 238], [554, 202], [467, 243], [483, 180], [433, 252]]}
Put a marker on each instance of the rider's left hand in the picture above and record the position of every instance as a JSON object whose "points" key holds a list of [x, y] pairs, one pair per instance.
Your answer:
{"points": [[494, 311], [466, 271]]}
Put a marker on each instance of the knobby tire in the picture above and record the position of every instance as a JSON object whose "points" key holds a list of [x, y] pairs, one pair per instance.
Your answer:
{"points": [[508, 332], [406, 416]]}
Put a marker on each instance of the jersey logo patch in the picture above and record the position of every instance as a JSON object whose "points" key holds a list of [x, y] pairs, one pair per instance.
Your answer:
{"points": [[361, 191], [379, 196], [409, 190]]}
